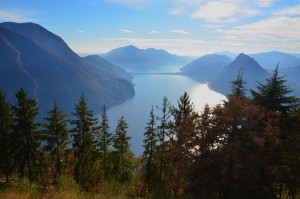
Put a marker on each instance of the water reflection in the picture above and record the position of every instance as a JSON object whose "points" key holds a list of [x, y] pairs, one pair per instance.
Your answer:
{"points": [[201, 95], [150, 89]]}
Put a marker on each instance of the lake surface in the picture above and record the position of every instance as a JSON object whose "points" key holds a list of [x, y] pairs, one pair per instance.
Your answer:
{"points": [[150, 89]]}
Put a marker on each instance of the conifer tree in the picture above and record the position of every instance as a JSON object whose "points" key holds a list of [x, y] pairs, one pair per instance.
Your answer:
{"points": [[26, 136], [85, 126], [122, 150], [150, 144], [274, 95], [163, 136], [6, 142], [104, 140], [56, 136], [238, 88], [183, 135]]}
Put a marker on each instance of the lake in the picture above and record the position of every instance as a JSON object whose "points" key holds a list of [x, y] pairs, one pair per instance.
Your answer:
{"points": [[150, 89]]}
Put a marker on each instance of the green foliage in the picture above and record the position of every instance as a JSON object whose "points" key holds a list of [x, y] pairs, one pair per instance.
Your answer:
{"points": [[123, 165], [238, 88], [23, 185], [25, 135], [56, 136], [85, 126], [67, 183], [6, 141], [162, 148], [273, 95], [104, 141], [150, 144]]}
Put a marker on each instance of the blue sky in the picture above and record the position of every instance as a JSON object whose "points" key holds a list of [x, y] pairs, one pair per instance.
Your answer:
{"points": [[183, 27]]}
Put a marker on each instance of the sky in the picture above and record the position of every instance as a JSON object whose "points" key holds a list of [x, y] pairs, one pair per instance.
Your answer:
{"points": [[182, 27]]}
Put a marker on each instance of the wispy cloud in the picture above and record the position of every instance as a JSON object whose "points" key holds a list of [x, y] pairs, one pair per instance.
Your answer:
{"points": [[178, 31], [177, 11], [277, 29], [80, 31], [265, 3], [126, 31], [293, 11], [6, 15], [129, 2], [220, 12], [154, 32]]}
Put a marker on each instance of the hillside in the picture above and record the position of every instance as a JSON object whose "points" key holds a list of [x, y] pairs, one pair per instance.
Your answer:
{"points": [[41, 62], [105, 66], [206, 68], [252, 72], [292, 75]]}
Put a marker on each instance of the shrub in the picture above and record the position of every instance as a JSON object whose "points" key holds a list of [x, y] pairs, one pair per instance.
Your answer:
{"points": [[67, 184], [24, 186]]}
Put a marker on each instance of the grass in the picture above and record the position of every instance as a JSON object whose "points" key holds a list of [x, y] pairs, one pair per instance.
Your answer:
{"points": [[8, 194], [66, 188]]}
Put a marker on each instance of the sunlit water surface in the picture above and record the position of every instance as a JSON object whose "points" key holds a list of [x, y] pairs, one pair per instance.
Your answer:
{"points": [[150, 89]]}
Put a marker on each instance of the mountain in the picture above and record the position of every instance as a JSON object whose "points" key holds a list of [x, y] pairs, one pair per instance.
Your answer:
{"points": [[107, 67], [292, 75], [41, 62], [231, 55], [296, 55], [206, 68], [252, 72], [269, 60], [134, 59]]}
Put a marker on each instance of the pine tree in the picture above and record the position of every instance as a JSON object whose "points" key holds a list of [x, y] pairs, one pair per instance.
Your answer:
{"points": [[6, 121], [123, 166], [26, 136], [150, 144], [85, 126], [273, 95], [238, 88], [163, 135], [104, 140], [56, 136], [183, 136]]}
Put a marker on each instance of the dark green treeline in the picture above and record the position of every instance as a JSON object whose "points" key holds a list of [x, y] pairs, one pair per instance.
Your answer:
{"points": [[79, 147]]}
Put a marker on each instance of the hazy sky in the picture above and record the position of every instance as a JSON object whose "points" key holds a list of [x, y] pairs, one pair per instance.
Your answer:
{"points": [[184, 27]]}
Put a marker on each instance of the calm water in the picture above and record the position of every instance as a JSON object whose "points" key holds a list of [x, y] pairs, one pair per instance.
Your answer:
{"points": [[150, 89]]}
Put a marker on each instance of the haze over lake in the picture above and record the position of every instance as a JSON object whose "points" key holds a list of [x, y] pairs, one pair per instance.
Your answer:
{"points": [[150, 89]]}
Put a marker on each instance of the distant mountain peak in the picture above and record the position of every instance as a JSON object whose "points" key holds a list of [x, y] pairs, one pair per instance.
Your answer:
{"points": [[130, 47], [242, 57]]}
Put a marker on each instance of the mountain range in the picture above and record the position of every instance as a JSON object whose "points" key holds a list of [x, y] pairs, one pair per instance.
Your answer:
{"points": [[133, 59], [269, 60], [41, 62], [219, 70]]}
